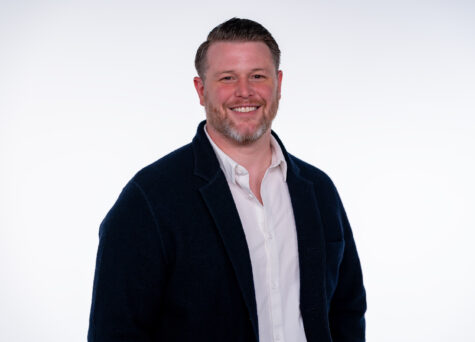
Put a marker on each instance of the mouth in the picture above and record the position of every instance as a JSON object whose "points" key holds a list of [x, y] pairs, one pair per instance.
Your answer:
{"points": [[244, 109]]}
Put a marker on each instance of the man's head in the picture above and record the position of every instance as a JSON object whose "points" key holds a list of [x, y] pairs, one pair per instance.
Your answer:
{"points": [[239, 81], [237, 30]]}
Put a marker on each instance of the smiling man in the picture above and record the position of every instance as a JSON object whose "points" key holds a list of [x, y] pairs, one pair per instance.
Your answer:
{"points": [[229, 238], [242, 90]]}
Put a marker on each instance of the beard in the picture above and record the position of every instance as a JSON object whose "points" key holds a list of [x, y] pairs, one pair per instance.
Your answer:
{"points": [[219, 119]]}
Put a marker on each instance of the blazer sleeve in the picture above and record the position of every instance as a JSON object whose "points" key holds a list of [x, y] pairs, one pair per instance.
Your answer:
{"points": [[348, 305], [130, 272]]}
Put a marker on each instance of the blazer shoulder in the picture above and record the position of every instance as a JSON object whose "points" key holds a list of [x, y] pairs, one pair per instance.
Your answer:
{"points": [[173, 166]]}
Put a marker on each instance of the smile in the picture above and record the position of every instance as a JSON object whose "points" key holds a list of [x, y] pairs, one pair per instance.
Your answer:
{"points": [[245, 109]]}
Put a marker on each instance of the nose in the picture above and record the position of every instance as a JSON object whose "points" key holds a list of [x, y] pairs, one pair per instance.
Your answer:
{"points": [[244, 88]]}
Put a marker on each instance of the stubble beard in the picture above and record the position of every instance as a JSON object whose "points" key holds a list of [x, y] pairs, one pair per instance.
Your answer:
{"points": [[221, 121]]}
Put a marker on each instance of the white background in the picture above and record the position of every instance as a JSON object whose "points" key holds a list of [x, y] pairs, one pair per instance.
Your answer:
{"points": [[379, 94]]}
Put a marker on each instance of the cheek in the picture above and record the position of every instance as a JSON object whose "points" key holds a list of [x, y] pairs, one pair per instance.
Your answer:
{"points": [[268, 92], [219, 96]]}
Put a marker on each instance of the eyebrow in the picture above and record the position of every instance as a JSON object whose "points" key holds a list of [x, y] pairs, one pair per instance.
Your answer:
{"points": [[232, 71]]}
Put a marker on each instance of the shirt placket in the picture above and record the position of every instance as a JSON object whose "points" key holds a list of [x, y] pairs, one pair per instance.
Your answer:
{"points": [[272, 257], [273, 284]]}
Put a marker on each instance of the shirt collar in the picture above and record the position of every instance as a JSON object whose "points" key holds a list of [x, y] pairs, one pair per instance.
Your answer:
{"points": [[230, 167]]}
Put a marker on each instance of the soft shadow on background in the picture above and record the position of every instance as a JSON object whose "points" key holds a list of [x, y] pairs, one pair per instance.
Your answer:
{"points": [[379, 94]]}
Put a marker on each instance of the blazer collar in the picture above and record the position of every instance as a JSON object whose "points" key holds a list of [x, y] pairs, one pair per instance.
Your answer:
{"points": [[206, 163]]}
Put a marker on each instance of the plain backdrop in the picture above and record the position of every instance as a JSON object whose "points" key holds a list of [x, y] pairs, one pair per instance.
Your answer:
{"points": [[379, 94]]}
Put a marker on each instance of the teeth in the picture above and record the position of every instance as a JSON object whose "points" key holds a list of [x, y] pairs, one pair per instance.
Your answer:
{"points": [[244, 109]]}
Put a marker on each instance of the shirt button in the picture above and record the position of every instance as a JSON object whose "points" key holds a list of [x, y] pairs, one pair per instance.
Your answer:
{"points": [[277, 337], [240, 171], [269, 236], [274, 285], [250, 196]]}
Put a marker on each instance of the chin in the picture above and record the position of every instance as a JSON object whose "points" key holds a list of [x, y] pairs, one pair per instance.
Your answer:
{"points": [[240, 130], [247, 136]]}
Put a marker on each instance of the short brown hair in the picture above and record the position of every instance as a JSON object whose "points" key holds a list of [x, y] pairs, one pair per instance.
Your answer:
{"points": [[237, 29]]}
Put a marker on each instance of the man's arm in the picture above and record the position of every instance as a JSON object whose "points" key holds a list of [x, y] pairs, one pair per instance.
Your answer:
{"points": [[348, 305], [130, 272]]}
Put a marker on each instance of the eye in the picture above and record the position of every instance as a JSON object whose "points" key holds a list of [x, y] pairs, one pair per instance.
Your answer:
{"points": [[226, 78], [258, 76]]}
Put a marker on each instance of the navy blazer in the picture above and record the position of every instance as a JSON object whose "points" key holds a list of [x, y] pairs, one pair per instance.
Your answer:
{"points": [[173, 263]]}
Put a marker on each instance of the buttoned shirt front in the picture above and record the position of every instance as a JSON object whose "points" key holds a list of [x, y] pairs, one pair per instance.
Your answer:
{"points": [[272, 241]]}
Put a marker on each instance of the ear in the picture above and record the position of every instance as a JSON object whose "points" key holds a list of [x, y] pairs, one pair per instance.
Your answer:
{"points": [[200, 89], [279, 82]]}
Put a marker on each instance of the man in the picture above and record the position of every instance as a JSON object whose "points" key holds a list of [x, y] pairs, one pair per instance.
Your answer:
{"points": [[229, 238]]}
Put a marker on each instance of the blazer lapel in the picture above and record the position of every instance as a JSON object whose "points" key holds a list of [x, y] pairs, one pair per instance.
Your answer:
{"points": [[310, 242], [218, 198], [311, 246]]}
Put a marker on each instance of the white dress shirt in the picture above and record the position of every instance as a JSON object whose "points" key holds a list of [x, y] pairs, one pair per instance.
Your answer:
{"points": [[272, 241]]}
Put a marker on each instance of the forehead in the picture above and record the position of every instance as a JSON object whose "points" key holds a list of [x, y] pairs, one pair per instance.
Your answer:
{"points": [[236, 55]]}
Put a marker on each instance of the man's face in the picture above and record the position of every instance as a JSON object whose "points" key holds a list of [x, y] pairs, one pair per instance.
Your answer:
{"points": [[240, 90]]}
